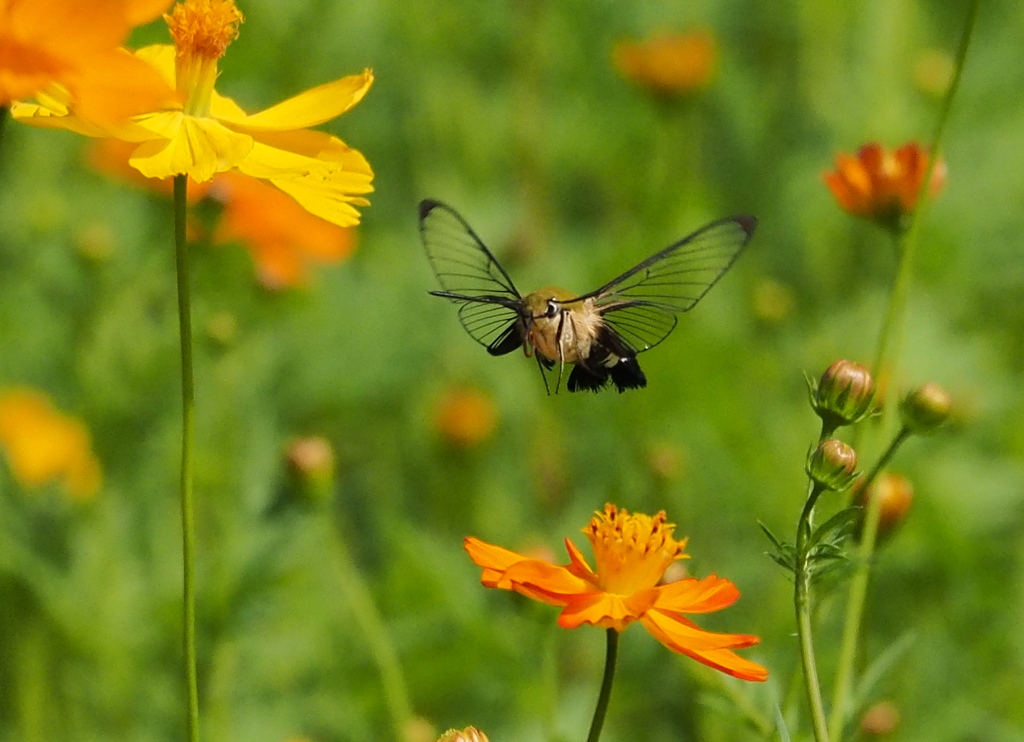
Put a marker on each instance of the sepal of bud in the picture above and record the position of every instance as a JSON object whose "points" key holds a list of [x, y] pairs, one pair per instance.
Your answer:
{"points": [[832, 465], [843, 394], [925, 408]]}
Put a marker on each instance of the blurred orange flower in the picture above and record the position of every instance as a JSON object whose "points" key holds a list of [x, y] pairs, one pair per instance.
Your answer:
{"points": [[881, 184], [283, 238], [465, 417], [74, 43], [668, 63], [42, 444], [895, 495], [204, 133], [632, 553]]}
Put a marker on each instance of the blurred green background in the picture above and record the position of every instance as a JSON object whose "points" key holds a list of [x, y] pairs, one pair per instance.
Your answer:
{"points": [[513, 113]]}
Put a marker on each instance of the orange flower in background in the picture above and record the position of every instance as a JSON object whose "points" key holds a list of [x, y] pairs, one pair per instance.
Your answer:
{"points": [[73, 43], [668, 64], [208, 133], [882, 185], [465, 417], [43, 445], [284, 239], [632, 553]]}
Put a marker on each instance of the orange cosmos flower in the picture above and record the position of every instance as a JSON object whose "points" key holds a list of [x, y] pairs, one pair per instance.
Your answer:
{"points": [[668, 64], [632, 553], [283, 238], [882, 185], [42, 444], [465, 417], [208, 133], [73, 44]]}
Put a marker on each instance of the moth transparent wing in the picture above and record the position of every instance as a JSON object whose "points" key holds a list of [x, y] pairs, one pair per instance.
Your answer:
{"points": [[642, 304], [469, 274]]}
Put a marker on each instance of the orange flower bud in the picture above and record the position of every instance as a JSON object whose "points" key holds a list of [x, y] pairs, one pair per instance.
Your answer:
{"points": [[465, 417], [881, 719], [668, 64], [895, 496], [311, 467]]}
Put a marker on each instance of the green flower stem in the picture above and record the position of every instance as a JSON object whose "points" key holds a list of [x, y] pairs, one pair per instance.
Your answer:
{"points": [[858, 592], [606, 686], [802, 603], [357, 596], [5, 113], [188, 405], [889, 340]]}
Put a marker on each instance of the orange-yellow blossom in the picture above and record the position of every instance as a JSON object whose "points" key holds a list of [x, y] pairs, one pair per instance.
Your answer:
{"points": [[668, 63], [882, 185], [42, 444], [631, 553], [69, 48], [206, 133]]}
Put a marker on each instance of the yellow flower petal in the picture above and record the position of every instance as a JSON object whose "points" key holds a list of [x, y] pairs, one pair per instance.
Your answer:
{"points": [[197, 146], [331, 203], [161, 58], [311, 107]]}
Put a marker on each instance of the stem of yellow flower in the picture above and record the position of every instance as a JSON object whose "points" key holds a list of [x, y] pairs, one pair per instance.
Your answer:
{"points": [[889, 343], [858, 592], [187, 443], [802, 603], [356, 595], [606, 686], [5, 113]]}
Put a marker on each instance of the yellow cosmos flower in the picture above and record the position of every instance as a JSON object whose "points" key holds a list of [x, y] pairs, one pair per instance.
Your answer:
{"points": [[208, 133], [42, 444], [74, 43], [632, 553]]}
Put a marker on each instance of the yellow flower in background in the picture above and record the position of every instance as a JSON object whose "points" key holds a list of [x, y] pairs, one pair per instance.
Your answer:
{"points": [[74, 44], [632, 553], [42, 444], [668, 63], [208, 133]]}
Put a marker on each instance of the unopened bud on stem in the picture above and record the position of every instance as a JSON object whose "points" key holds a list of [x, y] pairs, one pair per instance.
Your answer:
{"points": [[925, 408], [843, 394], [832, 465]]}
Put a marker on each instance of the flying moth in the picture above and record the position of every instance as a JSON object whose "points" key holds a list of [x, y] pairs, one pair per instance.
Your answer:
{"points": [[600, 333]]}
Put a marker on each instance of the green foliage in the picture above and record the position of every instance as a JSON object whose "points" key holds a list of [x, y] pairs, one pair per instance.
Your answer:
{"points": [[514, 114]]}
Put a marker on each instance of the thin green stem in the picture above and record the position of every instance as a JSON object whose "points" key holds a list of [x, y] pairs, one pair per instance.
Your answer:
{"points": [[889, 340], [802, 604], [889, 344], [606, 686], [5, 113], [858, 592], [357, 596], [188, 406]]}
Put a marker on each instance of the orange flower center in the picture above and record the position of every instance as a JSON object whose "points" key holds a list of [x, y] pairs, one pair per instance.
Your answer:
{"points": [[202, 31], [631, 551], [204, 28]]}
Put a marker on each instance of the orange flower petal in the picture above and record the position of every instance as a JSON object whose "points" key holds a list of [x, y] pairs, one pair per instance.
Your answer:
{"points": [[708, 648], [691, 595]]}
